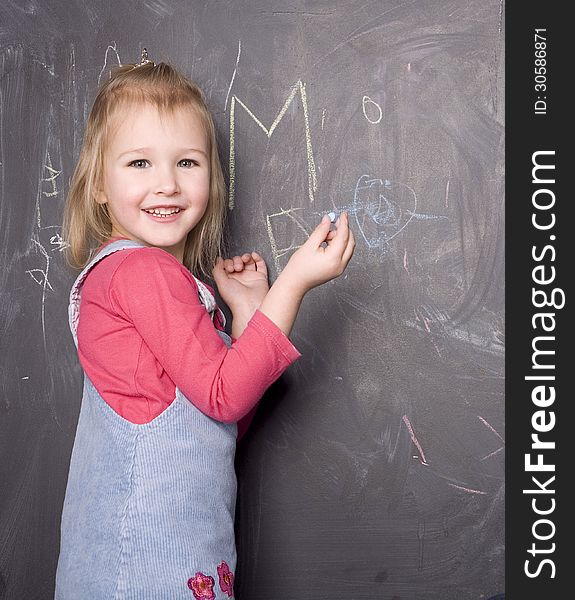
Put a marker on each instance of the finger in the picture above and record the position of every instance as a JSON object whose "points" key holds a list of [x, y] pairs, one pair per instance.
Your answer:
{"points": [[218, 271], [341, 238], [248, 261], [348, 252], [229, 265], [260, 263], [319, 234], [221, 264], [238, 263], [218, 264], [251, 260]]}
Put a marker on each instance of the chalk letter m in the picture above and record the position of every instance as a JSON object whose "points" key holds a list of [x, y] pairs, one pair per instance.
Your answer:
{"points": [[298, 87]]}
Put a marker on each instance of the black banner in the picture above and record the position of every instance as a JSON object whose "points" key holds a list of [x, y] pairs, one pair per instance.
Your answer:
{"points": [[539, 272]]}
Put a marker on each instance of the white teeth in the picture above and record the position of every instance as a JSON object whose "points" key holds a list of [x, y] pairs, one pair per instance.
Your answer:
{"points": [[163, 212]]}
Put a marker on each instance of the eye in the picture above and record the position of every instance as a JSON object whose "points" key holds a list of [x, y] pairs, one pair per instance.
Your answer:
{"points": [[190, 161], [138, 160]]}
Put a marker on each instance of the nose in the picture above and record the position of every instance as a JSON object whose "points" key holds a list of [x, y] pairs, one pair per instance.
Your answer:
{"points": [[167, 182]]}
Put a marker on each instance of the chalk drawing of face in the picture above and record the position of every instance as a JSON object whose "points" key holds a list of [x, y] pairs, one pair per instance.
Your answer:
{"points": [[382, 210]]}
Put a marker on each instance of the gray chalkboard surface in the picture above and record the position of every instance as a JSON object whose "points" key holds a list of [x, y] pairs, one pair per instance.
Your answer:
{"points": [[375, 465]]}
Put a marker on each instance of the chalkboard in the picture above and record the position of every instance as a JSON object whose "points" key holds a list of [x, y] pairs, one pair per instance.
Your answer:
{"points": [[374, 467]]}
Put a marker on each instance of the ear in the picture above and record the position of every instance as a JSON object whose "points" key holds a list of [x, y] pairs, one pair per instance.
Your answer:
{"points": [[100, 197]]}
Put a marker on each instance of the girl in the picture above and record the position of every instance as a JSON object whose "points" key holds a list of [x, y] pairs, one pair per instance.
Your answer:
{"points": [[150, 500]]}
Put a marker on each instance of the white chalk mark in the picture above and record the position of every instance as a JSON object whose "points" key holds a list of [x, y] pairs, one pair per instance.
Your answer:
{"points": [[115, 50], [436, 348], [405, 260], [409, 67], [49, 68], [54, 175], [234, 73], [427, 217], [414, 440], [368, 100], [25, 378], [421, 538], [43, 279], [447, 194], [352, 300], [40, 276], [2, 137], [465, 336], [299, 86], [44, 283], [490, 427], [59, 242], [468, 490], [322, 118]]}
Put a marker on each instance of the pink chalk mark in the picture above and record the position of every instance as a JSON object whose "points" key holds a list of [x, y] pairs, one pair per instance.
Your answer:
{"points": [[460, 487], [493, 453], [414, 440], [405, 260], [426, 322], [489, 426]]}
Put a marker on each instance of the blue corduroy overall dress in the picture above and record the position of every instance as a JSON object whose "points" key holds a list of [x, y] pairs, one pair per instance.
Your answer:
{"points": [[149, 509]]}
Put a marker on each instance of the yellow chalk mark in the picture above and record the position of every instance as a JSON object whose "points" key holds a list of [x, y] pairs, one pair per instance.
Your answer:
{"points": [[277, 253], [232, 166], [54, 175], [298, 87]]}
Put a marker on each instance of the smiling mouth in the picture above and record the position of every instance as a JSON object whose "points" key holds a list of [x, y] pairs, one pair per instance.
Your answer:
{"points": [[162, 212]]}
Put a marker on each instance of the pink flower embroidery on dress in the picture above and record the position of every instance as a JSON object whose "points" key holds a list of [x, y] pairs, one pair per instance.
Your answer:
{"points": [[202, 586], [226, 579]]}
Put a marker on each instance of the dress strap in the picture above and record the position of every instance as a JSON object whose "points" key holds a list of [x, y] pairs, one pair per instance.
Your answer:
{"points": [[205, 296]]}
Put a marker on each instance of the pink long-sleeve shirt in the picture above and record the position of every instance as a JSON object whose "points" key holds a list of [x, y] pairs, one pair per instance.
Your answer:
{"points": [[143, 331]]}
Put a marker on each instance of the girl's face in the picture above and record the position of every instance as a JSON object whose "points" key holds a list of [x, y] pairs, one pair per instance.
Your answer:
{"points": [[156, 178]]}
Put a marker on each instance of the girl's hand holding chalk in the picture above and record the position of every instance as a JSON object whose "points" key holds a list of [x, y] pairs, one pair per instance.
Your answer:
{"points": [[332, 228], [309, 266], [313, 263]]}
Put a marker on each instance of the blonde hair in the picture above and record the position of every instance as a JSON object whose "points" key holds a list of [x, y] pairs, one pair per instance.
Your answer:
{"points": [[86, 223]]}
